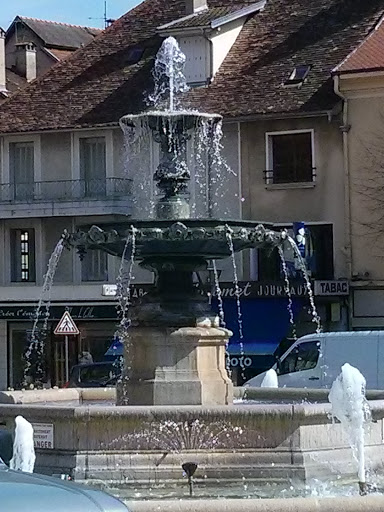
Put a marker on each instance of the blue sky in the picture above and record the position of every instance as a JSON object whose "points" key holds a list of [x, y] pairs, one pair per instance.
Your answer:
{"points": [[76, 12]]}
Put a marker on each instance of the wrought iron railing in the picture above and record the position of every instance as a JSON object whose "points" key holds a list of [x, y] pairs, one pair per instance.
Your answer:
{"points": [[289, 175], [65, 190]]}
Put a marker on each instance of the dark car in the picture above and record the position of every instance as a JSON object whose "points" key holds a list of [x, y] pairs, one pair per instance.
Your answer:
{"points": [[94, 375]]}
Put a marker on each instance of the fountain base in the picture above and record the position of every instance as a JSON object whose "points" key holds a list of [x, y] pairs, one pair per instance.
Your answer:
{"points": [[184, 366]]}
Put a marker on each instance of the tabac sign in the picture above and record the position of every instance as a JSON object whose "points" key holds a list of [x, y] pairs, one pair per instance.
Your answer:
{"points": [[324, 288]]}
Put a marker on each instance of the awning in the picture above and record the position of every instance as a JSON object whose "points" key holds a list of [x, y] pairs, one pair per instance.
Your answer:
{"points": [[251, 348], [264, 321]]}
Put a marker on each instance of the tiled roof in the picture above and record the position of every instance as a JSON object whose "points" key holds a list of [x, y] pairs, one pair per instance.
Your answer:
{"points": [[276, 40], [201, 18], [14, 81], [59, 54], [97, 85], [368, 56], [57, 34]]}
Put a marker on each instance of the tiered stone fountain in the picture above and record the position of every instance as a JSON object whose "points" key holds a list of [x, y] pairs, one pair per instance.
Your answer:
{"points": [[175, 350]]}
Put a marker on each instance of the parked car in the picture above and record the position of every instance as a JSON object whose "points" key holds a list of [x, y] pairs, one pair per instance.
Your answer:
{"points": [[94, 375], [315, 360], [32, 492]]}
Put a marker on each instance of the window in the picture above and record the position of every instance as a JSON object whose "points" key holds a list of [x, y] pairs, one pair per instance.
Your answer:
{"points": [[134, 55], [290, 157], [95, 266], [298, 75], [23, 255], [318, 255], [302, 357], [22, 169], [93, 166]]}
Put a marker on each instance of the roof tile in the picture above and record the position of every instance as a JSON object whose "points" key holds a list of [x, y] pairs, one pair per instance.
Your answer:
{"points": [[98, 84], [369, 55], [59, 34]]}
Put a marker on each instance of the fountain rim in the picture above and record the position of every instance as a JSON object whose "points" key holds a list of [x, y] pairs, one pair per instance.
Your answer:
{"points": [[171, 114]]}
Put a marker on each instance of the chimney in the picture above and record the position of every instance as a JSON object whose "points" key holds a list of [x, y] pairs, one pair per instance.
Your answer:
{"points": [[193, 6], [3, 78], [26, 60]]}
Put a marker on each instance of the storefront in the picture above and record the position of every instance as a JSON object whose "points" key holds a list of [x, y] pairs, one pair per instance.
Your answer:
{"points": [[265, 320], [96, 323]]}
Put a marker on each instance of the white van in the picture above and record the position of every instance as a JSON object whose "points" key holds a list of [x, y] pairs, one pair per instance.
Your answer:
{"points": [[315, 360]]}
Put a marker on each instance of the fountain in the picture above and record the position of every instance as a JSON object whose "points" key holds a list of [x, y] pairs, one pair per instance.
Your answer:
{"points": [[174, 349], [175, 355], [351, 408], [23, 450]]}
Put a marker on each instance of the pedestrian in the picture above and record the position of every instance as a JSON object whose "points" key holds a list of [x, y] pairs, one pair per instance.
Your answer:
{"points": [[85, 357]]}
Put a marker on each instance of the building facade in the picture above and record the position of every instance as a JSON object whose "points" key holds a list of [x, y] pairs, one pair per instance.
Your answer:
{"points": [[63, 165]]}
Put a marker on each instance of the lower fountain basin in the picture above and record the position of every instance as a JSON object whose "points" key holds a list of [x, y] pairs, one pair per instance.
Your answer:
{"points": [[147, 445]]}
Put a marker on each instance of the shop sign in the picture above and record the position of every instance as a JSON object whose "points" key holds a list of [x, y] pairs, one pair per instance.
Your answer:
{"points": [[245, 290], [43, 435], [255, 289], [326, 288], [241, 361], [97, 312]]}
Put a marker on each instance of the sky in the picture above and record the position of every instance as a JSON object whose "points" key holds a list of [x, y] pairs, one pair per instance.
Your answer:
{"points": [[76, 12]]}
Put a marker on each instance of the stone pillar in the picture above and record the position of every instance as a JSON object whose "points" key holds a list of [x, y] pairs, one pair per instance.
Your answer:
{"points": [[184, 366], [26, 60]]}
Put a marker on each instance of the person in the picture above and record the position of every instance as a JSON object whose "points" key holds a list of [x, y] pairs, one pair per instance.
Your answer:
{"points": [[85, 357]]}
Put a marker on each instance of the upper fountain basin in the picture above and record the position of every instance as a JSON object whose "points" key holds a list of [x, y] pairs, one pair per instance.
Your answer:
{"points": [[190, 238], [186, 119]]}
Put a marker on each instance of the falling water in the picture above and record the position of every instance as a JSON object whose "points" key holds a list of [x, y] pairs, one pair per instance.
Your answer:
{"points": [[270, 379], [350, 407], [36, 345], [168, 74], [238, 302], [219, 296], [287, 289], [210, 168], [24, 457], [137, 163], [303, 268], [123, 282]]}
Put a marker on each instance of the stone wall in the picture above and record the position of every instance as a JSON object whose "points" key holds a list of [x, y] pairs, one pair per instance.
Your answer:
{"points": [[148, 444]]}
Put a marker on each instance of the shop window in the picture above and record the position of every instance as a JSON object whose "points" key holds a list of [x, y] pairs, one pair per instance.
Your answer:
{"points": [[302, 357], [22, 255], [22, 169], [94, 266], [290, 158], [93, 166]]}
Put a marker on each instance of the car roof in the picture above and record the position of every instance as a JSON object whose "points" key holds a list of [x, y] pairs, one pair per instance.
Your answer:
{"points": [[38, 493], [340, 334]]}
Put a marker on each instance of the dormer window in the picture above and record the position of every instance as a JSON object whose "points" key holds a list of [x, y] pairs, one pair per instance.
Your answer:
{"points": [[206, 35], [298, 75], [134, 55]]}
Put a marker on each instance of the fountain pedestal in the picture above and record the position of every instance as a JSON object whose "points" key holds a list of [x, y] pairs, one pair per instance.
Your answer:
{"points": [[184, 366]]}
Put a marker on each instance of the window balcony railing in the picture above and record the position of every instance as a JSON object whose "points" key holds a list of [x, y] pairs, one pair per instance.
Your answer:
{"points": [[66, 190], [289, 175]]}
